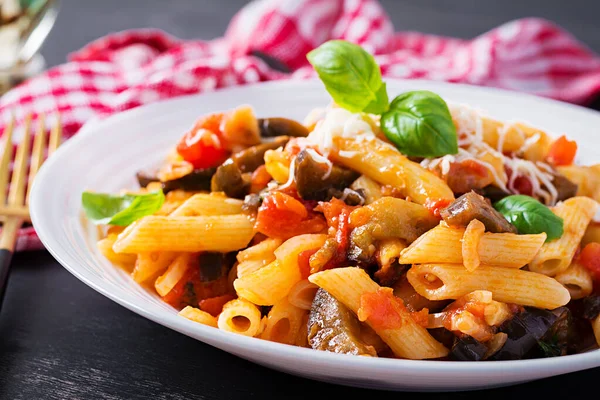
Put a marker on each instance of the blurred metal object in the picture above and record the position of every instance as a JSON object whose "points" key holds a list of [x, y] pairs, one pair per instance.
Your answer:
{"points": [[36, 32], [24, 27]]}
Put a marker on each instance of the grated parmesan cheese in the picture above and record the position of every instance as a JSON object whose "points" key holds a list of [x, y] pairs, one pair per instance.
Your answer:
{"points": [[338, 122], [469, 125]]}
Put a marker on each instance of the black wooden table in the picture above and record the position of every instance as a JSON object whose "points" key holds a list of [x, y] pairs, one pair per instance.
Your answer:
{"points": [[59, 339]]}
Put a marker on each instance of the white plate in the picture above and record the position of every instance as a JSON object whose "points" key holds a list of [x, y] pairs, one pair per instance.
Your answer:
{"points": [[105, 156]]}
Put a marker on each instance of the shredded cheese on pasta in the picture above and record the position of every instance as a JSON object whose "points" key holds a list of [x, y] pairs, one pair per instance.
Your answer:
{"points": [[472, 147], [339, 122]]}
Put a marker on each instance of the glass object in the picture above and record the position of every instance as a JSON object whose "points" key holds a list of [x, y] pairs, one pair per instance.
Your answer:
{"points": [[24, 25]]}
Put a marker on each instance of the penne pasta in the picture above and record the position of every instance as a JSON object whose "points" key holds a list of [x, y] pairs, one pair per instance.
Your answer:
{"points": [[409, 340], [271, 283], [556, 256], [451, 281], [260, 251], [370, 188], [587, 179], [389, 251], [105, 246], [384, 164], [223, 233], [442, 244], [240, 316], [302, 294], [208, 204], [174, 273], [196, 315], [592, 234], [577, 279], [284, 323], [149, 265]]}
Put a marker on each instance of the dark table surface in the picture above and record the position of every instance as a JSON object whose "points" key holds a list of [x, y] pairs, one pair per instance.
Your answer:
{"points": [[59, 339]]}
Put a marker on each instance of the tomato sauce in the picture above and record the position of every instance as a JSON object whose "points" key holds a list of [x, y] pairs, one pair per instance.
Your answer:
{"points": [[282, 216], [381, 309]]}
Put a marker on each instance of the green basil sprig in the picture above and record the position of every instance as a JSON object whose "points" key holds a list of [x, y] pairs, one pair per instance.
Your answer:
{"points": [[530, 216], [351, 76], [108, 209], [419, 124]]}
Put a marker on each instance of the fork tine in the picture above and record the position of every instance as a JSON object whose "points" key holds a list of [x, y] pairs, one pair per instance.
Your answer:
{"points": [[55, 136], [16, 194], [37, 155], [6, 158]]}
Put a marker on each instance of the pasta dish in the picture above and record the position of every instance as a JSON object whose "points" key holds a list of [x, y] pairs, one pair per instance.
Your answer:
{"points": [[415, 228]]}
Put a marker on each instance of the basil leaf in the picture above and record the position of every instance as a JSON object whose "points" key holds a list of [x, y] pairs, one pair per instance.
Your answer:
{"points": [[351, 76], [108, 209], [419, 124], [530, 216]]}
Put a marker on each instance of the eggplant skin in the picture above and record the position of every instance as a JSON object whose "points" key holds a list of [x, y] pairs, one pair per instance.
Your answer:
{"points": [[472, 206], [229, 180], [333, 327], [591, 307], [314, 180], [271, 127], [248, 160], [196, 181], [467, 349], [524, 331]]}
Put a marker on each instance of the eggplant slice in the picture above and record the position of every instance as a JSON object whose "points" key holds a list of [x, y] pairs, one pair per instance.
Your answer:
{"points": [[271, 127], [320, 181], [333, 327], [472, 206], [195, 181]]}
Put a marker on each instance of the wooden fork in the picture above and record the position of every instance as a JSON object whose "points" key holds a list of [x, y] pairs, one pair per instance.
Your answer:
{"points": [[14, 211]]}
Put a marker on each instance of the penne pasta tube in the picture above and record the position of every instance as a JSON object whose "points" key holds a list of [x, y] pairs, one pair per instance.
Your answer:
{"points": [[148, 265], [174, 273], [271, 283], [240, 316], [592, 234], [208, 204], [389, 251], [442, 244], [577, 279], [370, 188], [284, 322], [260, 251], [106, 248], [199, 316], [223, 233], [302, 337], [587, 179], [384, 164], [556, 256], [249, 266], [508, 285], [302, 294], [408, 339]]}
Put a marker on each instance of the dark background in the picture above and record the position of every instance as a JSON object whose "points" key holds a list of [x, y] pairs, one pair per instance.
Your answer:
{"points": [[60, 339]]}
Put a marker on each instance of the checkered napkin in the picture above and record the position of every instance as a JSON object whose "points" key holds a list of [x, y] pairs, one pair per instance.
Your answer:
{"points": [[127, 69]]}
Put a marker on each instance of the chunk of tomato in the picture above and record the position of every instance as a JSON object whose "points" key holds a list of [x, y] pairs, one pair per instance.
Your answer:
{"points": [[282, 216], [590, 259], [203, 145], [562, 151]]}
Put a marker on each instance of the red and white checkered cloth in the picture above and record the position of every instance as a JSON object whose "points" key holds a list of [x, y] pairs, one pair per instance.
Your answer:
{"points": [[131, 68]]}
